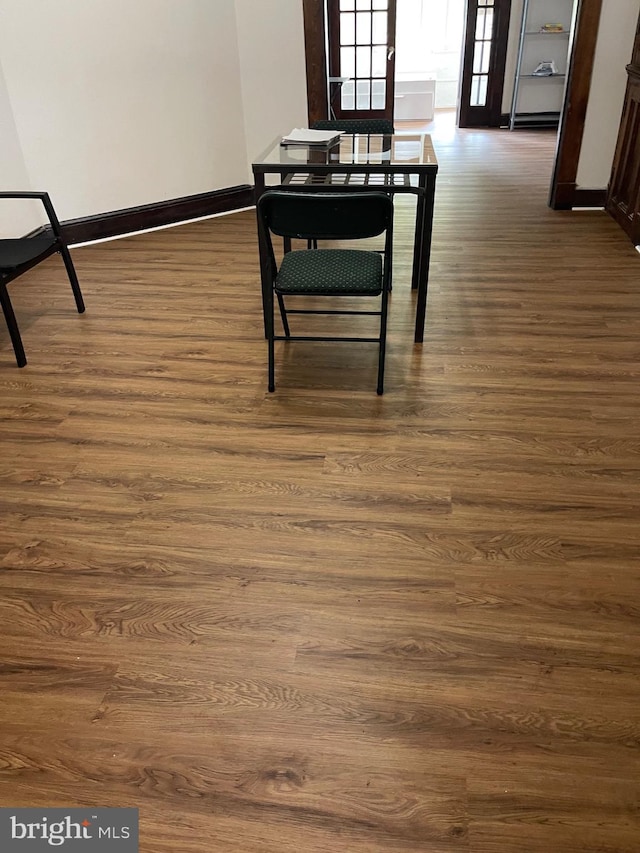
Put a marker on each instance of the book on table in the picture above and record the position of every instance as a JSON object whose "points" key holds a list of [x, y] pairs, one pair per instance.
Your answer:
{"points": [[305, 136]]}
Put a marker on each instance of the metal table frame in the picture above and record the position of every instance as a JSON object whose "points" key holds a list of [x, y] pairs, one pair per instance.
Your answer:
{"points": [[359, 163]]}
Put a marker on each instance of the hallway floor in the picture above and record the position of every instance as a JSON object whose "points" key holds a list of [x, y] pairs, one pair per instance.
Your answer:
{"points": [[319, 620]]}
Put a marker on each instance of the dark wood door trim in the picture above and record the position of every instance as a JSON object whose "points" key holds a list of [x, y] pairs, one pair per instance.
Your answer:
{"points": [[623, 197], [623, 192], [563, 193], [316, 59]]}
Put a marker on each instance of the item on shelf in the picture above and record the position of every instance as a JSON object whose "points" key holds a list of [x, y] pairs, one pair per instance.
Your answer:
{"points": [[552, 28], [546, 68]]}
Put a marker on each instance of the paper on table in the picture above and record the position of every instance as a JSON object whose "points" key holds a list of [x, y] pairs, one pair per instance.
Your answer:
{"points": [[305, 136]]}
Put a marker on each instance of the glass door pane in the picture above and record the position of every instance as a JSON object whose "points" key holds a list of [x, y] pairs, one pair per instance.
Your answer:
{"points": [[361, 49]]}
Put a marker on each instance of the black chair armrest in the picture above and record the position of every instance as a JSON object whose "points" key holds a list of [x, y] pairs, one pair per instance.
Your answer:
{"points": [[46, 201], [18, 194]]}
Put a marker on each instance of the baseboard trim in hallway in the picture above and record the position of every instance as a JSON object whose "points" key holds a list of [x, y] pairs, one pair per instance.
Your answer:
{"points": [[117, 223]]}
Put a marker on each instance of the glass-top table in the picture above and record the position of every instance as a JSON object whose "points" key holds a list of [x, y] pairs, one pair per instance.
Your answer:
{"points": [[391, 163]]}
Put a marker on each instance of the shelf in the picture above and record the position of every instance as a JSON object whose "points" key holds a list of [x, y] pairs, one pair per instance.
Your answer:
{"points": [[549, 119], [540, 105]]}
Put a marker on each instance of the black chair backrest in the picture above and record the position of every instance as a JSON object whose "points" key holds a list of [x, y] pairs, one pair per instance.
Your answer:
{"points": [[356, 125], [326, 215]]}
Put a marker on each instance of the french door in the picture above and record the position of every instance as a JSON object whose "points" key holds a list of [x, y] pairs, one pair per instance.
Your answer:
{"points": [[485, 52], [361, 58]]}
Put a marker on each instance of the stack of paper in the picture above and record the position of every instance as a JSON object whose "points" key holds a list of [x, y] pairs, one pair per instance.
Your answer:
{"points": [[304, 136]]}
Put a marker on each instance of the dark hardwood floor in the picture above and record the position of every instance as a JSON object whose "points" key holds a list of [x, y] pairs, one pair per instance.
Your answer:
{"points": [[320, 620]]}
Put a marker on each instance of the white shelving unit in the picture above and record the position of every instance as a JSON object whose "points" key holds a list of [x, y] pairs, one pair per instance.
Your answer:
{"points": [[537, 100]]}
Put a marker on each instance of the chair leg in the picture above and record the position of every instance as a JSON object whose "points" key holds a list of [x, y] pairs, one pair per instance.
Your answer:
{"points": [[12, 325], [272, 365], [73, 278], [383, 340], [283, 315], [270, 329]]}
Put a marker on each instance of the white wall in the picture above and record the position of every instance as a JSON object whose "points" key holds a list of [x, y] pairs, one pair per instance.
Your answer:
{"points": [[14, 221], [13, 172], [604, 110], [272, 70], [119, 103]]}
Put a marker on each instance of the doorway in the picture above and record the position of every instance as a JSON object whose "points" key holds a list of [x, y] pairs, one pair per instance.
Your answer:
{"points": [[362, 52], [429, 41], [404, 59], [563, 193]]}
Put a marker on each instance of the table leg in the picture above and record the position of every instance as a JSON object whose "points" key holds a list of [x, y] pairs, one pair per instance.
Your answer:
{"points": [[417, 240], [262, 248], [421, 268]]}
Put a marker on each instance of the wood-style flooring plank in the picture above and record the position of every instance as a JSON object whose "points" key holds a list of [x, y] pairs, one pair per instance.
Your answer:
{"points": [[322, 620]]}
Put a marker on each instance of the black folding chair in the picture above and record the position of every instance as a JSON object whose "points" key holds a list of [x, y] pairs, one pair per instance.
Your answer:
{"points": [[326, 272], [21, 254], [365, 126]]}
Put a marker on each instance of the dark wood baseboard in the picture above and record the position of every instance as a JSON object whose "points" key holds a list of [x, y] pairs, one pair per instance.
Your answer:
{"points": [[589, 198], [568, 195], [169, 212]]}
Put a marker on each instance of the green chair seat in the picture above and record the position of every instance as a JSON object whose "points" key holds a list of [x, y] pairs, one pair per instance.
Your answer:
{"points": [[330, 272]]}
